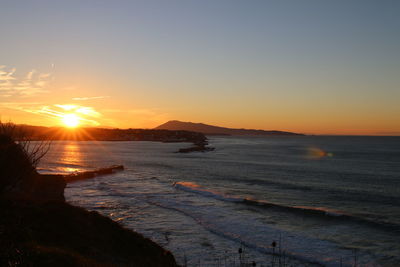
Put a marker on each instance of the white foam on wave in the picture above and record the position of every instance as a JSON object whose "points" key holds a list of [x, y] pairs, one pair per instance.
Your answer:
{"points": [[195, 188], [247, 229]]}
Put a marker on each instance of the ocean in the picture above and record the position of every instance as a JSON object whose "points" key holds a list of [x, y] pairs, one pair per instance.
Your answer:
{"points": [[323, 200]]}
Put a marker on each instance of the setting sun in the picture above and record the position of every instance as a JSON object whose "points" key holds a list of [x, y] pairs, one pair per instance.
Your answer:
{"points": [[70, 120]]}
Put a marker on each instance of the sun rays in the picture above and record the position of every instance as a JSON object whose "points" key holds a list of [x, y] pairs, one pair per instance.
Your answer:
{"points": [[69, 115]]}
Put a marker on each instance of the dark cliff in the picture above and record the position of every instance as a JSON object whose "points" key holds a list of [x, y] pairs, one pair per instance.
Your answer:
{"points": [[37, 227], [58, 234]]}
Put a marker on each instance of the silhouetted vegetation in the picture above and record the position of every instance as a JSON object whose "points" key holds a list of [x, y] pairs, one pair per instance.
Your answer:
{"points": [[58, 234], [18, 156]]}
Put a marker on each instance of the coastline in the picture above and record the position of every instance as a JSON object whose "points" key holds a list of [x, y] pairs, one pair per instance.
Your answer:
{"points": [[135, 213]]}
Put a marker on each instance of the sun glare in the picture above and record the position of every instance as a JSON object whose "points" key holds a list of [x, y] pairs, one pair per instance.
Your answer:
{"points": [[70, 120]]}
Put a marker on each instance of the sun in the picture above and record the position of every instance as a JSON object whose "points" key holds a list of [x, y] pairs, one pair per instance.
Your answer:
{"points": [[71, 120]]}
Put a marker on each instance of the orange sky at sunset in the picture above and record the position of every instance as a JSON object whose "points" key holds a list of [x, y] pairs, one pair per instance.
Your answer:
{"points": [[260, 66], [45, 101]]}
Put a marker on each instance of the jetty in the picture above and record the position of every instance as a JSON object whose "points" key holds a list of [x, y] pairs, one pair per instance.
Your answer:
{"points": [[73, 177]]}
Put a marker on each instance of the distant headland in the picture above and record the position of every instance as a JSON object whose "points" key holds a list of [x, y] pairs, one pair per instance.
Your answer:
{"points": [[171, 131], [41, 133], [217, 130], [38, 133]]}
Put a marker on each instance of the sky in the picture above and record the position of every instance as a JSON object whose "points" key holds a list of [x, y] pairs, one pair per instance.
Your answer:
{"points": [[310, 66]]}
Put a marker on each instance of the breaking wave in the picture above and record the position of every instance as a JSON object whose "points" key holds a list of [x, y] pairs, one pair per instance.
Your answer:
{"points": [[318, 212]]}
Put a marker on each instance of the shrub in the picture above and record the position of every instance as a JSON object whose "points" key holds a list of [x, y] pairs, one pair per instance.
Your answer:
{"points": [[18, 155]]}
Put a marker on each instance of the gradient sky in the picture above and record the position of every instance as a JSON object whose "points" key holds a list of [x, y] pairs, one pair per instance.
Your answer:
{"points": [[322, 67]]}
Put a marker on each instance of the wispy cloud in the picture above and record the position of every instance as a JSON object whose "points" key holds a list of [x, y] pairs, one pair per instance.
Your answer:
{"points": [[89, 98], [82, 110], [21, 106], [30, 84], [87, 115]]}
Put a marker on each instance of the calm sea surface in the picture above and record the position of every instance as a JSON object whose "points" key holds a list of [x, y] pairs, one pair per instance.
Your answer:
{"points": [[326, 199]]}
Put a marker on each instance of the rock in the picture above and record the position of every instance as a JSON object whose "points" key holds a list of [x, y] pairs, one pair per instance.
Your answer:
{"points": [[196, 149]]}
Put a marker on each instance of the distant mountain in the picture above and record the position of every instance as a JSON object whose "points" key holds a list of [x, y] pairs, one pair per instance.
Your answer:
{"points": [[216, 130]]}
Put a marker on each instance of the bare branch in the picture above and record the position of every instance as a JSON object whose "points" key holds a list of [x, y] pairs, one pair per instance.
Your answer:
{"points": [[20, 153]]}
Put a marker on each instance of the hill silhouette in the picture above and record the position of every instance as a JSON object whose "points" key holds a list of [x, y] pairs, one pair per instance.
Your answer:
{"points": [[176, 125]]}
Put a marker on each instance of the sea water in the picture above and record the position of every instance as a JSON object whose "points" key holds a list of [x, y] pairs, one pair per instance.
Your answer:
{"points": [[323, 199]]}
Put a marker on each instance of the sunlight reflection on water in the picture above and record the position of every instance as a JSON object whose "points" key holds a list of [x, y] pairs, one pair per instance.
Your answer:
{"points": [[71, 154], [67, 157]]}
